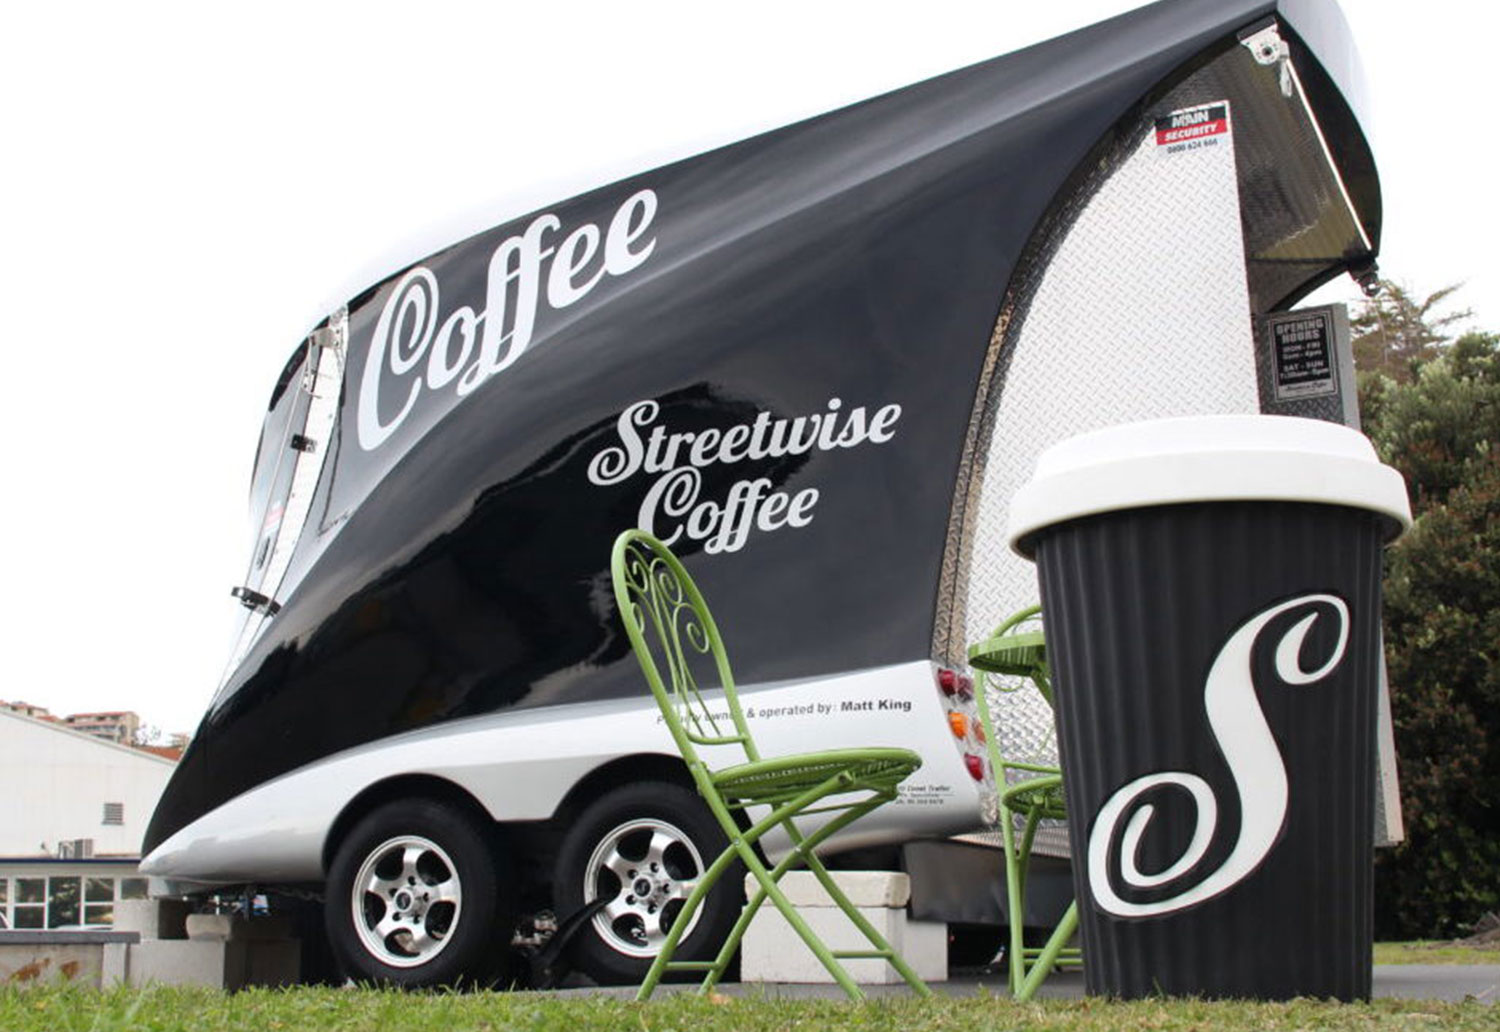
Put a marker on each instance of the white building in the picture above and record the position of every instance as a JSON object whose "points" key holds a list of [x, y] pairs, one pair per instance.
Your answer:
{"points": [[76, 809]]}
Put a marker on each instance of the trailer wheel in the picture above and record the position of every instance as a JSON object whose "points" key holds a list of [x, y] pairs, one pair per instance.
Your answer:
{"points": [[415, 899], [643, 846]]}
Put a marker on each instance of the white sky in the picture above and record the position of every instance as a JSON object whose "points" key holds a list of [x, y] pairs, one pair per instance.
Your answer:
{"points": [[192, 185]]}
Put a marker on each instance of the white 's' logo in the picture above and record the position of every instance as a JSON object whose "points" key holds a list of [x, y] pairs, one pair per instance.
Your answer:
{"points": [[1239, 726]]}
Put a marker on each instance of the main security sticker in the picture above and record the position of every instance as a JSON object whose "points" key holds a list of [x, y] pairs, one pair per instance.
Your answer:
{"points": [[1194, 128]]}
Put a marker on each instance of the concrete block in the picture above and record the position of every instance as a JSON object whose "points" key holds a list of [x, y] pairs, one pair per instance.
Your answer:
{"points": [[226, 964], [35, 964], [235, 927], [152, 918], [114, 968], [864, 888], [773, 952]]}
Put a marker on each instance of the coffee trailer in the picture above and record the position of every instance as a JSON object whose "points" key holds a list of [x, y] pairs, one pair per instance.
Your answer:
{"points": [[817, 363]]}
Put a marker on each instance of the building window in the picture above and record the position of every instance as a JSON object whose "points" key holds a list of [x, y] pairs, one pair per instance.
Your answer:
{"points": [[30, 908], [98, 901], [114, 813], [63, 901]]}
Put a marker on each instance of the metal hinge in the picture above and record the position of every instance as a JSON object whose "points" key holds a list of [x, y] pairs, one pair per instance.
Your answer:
{"points": [[252, 599], [1270, 50]]}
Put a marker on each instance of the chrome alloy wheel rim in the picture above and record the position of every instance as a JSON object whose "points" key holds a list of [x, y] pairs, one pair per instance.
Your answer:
{"points": [[646, 869], [405, 900]]}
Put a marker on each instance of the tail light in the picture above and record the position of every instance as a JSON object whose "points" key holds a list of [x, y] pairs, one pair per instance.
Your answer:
{"points": [[962, 713]]}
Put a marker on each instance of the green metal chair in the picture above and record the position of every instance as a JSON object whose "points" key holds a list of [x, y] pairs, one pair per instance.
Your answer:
{"points": [[1017, 651], [670, 627]]}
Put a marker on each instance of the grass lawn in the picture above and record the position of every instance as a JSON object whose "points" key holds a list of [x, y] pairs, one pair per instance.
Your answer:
{"points": [[73, 1009]]}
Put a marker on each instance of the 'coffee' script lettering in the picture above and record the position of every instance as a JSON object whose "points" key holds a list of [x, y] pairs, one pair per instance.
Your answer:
{"points": [[467, 347]]}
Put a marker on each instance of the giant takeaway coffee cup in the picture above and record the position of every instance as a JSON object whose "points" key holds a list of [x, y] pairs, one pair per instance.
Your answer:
{"points": [[1211, 591]]}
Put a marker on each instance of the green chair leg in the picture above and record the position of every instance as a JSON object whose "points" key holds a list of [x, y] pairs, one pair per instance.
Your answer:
{"points": [[690, 906], [1044, 964], [870, 932], [806, 934], [769, 882], [882, 946]]}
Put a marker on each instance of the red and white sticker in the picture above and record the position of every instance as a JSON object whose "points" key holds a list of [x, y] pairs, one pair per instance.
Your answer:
{"points": [[1193, 128]]}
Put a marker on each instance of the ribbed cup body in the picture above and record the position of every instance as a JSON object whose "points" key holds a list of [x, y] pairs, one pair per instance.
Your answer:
{"points": [[1188, 646]]}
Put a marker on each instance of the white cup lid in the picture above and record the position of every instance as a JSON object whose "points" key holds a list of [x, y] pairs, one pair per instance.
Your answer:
{"points": [[1206, 459]]}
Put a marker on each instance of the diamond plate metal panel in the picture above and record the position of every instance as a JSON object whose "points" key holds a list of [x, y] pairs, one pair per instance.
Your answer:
{"points": [[1133, 305], [1142, 313]]}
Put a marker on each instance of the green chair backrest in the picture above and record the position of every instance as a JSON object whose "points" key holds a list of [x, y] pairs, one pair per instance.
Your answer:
{"points": [[671, 630]]}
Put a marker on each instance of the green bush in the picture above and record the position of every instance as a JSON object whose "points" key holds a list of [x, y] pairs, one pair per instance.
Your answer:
{"points": [[1441, 428]]}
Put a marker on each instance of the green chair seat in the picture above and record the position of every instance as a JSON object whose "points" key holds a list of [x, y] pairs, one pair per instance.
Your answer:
{"points": [[786, 777], [1042, 797], [1016, 655]]}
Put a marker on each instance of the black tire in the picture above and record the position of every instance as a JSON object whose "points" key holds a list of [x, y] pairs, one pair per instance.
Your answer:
{"points": [[431, 874], [654, 823]]}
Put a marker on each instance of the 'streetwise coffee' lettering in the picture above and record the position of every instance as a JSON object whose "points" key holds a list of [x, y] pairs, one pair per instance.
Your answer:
{"points": [[750, 503]]}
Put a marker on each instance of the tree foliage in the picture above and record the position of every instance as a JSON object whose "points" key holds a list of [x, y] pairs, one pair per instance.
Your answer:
{"points": [[1395, 331], [146, 734], [1440, 425]]}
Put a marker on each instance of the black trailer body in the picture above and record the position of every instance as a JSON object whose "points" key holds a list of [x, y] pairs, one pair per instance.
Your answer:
{"points": [[815, 362]]}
